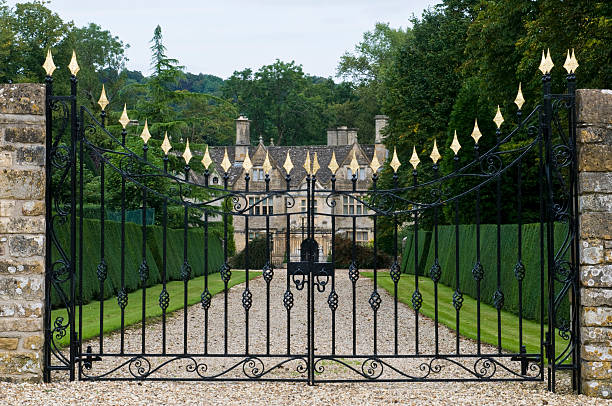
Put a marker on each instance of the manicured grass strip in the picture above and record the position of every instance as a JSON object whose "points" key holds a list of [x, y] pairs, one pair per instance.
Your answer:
{"points": [[133, 311], [446, 314]]}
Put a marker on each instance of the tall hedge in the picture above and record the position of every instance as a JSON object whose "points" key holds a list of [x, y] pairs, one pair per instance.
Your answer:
{"points": [[133, 255], [488, 259]]}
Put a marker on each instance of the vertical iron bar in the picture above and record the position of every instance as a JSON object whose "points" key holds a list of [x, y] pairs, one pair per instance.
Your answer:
{"points": [[266, 207], [478, 265], [309, 320], [206, 294], [416, 271], [354, 263], [73, 219], [457, 296], [311, 277], [375, 309], [246, 269], [225, 265], [498, 304], [80, 283], [288, 256], [122, 295], [144, 270], [186, 267], [164, 261], [520, 270], [102, 277], [436, 268], [397, 278], [333, 293]]}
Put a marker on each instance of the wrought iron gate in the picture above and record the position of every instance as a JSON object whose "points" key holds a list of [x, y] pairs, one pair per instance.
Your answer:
{"points": [[326, 339]]}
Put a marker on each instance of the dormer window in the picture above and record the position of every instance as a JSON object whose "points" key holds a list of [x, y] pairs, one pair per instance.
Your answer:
{"points": [[258, 174], [360, 175]]}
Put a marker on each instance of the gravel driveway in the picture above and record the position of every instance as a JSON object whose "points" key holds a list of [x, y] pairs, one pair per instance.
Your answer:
{"points": [[528, 393]]}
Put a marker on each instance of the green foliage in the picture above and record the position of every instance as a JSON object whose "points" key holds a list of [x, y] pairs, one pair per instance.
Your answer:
{"points": [[257, 255], [133, 255], [488, 247], [364, 255]]}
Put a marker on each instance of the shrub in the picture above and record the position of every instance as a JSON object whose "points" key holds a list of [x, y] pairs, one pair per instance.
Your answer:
{"points": [[364, 255], [257, 255]]}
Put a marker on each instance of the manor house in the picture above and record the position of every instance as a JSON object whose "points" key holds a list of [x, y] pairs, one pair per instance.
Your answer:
{"points": [[342, 141]]}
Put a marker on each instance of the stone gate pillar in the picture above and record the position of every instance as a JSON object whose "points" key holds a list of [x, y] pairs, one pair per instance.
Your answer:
{"points": [[22, 231], [595, 207]]}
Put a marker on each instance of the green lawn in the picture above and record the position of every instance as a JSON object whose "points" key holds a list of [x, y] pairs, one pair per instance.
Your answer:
{"points": [[133, 311], [446, 314]]}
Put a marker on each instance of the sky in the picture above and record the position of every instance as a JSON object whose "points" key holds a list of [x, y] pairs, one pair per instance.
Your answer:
{"points": [[220, 37]]}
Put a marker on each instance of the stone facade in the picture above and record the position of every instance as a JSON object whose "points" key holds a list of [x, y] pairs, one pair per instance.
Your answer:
{"points": [[343, 143], [595, 207], [22, 231]]}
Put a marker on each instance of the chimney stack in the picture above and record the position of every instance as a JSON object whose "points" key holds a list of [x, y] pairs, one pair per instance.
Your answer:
{"points": [[243, 137], [380, 122]]}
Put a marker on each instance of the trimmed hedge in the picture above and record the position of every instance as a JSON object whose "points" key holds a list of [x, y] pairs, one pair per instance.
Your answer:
{"points": [[133, 255], [488, 259]]}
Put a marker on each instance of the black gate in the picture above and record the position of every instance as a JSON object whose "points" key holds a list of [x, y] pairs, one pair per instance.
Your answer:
{"points": [[319, 322]]}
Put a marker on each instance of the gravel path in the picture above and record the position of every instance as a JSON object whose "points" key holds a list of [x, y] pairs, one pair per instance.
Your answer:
{"points": [[293, 393]]}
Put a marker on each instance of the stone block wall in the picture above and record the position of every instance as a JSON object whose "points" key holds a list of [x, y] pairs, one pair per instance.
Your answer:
{"points": [[22, 231], [595, 222]]}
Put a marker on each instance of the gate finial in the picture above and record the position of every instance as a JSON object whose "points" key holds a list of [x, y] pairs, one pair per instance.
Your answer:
{"points": [[476, 134], [375, 164], [187, 154], [571, 63], [520, 100], [455, 146], [73, 65], [333, 164], [288, 166], [165, 146], [354, 164], [395, 163], [267, 166], [146, 135], [226, 164], [206, 161], [315, 164], [414, 159], [103, 101], [247, 164], [124, 120], [499, 119], [307, 163], [49, 66], [435, 154]]}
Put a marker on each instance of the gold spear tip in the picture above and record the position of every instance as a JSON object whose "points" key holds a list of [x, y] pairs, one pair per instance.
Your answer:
{"points": [[288, 165], [73, 65], [146, 135], [476, 134], [499, 119], [124, 120], [315, 164], [354, 164], [571, 64], [247, 164], [542, 66], [49, 66], [267, 166], [333, 164], [103, 101], [414, 159], [455, 146], [435, 154], [187, 154], [520, 100], [206, 161], [375, 164], [225, 164], [165, 146], [395, 163], [549, 62], [307, 163]]}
